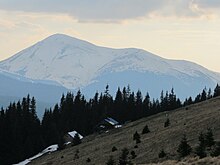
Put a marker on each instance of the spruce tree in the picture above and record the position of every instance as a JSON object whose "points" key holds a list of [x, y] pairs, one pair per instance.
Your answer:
{"points": [[200, 150], [209, 95], [197, 98], [137, 137], [204, 95], [123, 159], [184, 148], [145, 130], [209, 139], [216, 91]]}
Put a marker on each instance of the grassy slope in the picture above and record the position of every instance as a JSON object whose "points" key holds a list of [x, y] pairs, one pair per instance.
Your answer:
{"points": [[191, 121]]}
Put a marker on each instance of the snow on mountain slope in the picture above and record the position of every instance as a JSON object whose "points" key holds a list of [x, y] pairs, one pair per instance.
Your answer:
{"points": [[69, 61], [143, 61], [75, 64]]}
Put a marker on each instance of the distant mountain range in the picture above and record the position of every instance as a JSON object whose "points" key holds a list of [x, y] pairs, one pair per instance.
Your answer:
{"points": [[13, 87], [60, 63]]}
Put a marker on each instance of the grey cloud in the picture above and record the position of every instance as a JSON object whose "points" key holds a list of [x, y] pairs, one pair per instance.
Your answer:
{"points": [[107, 10], [208, 3], [87, 9]]}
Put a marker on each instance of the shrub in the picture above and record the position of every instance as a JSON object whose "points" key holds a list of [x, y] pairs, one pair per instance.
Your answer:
{"points": [[162, 154], [111, 161], [114, 149], [216, 150], [76, 156], [167, 123], [133, 155], [88, 160]]}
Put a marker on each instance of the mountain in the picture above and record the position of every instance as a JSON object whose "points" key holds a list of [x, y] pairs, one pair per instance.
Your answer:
{"points": [[14, 87], [77, 64]]}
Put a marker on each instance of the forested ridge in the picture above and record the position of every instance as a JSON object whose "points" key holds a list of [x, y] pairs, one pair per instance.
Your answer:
{"points": [[23, 134]]}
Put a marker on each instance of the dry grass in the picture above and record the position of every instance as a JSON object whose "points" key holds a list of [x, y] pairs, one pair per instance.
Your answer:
{"points": [[191, 121], [191, 161]]}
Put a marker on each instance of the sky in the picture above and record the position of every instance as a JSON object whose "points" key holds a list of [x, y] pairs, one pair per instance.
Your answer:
{"points": [[173, 29]]}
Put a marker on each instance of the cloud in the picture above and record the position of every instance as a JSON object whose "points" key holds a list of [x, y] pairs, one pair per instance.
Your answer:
{"points": [[208, 3], [112, 10]]}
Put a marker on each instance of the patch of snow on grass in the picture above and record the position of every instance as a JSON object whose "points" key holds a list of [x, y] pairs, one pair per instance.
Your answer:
{"points": [[49, 149]]}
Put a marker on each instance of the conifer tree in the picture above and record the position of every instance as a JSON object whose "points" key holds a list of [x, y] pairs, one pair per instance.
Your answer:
{"points": [[200, 150], [123, 159], [136, 137], [204, 95], [33, 107], [119, 105], [188, 101], [197, 98], [146, 104], [209, 139], [184, 148], [216, 91], [209, 95], [139, 105], [145, 130]]}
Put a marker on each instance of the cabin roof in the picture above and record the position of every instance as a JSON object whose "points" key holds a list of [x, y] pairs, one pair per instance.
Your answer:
{"points": [[111, 121], [73, 133]]}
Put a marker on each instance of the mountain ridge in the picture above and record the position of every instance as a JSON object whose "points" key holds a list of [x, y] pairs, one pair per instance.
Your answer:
{"points": [[14, 87], [77, 64]]}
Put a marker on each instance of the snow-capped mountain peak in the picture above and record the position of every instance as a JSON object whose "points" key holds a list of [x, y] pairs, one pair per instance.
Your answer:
{"points": [[75, 64]]}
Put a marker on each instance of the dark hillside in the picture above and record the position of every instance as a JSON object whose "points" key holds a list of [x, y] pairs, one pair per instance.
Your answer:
{"points": [[190, 120]]}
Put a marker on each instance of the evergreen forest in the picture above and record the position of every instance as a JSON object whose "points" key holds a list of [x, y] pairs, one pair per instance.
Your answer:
{"points": [[23, 134]]}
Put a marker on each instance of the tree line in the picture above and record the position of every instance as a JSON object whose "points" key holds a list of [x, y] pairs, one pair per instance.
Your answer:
{"points": [[23, 135]]}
